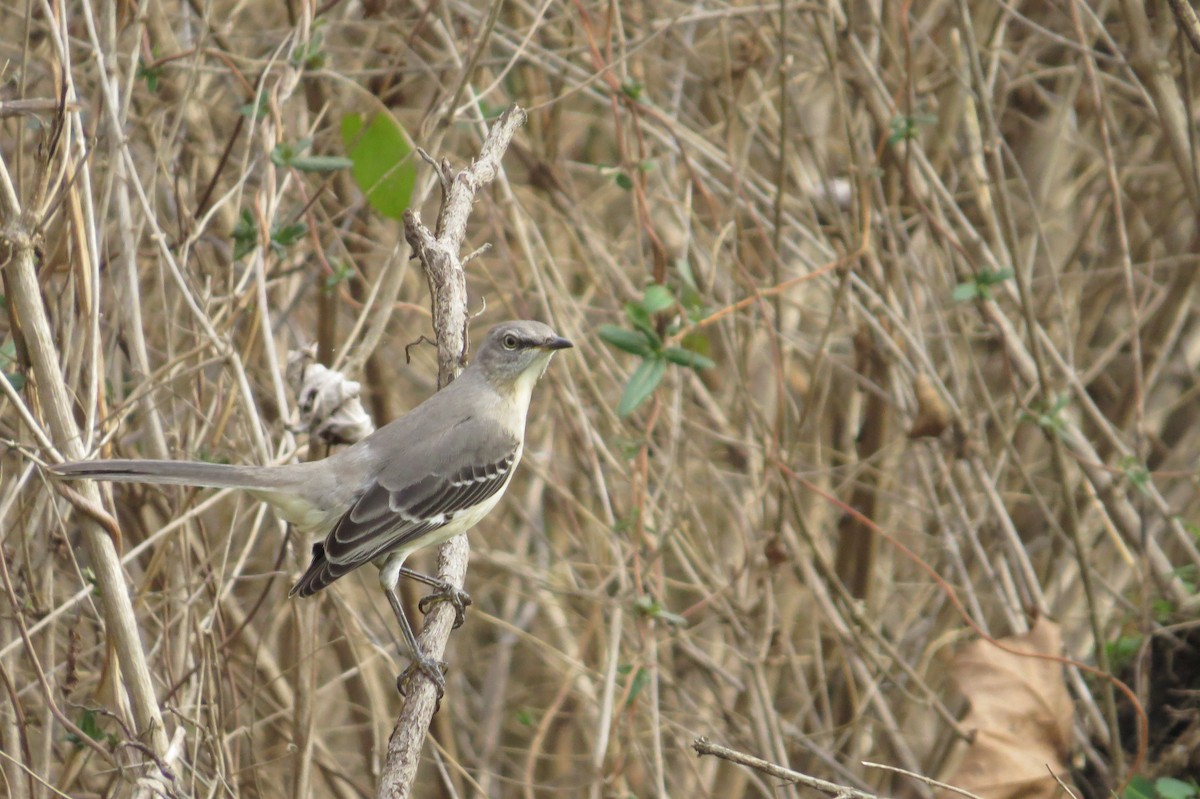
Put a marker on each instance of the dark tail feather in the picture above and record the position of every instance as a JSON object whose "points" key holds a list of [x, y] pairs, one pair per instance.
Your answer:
{"points": [[319, 574]]}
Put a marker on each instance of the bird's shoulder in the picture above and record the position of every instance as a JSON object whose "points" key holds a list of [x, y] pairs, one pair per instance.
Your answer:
{"points": [[459, 427]]}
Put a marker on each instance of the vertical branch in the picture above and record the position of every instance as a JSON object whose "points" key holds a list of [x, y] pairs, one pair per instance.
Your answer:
{"points": [[19, 237], [448, 294]]}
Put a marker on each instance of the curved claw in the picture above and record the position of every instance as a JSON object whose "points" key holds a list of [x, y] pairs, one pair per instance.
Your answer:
{"points": [[435, 670], [458, 598]]}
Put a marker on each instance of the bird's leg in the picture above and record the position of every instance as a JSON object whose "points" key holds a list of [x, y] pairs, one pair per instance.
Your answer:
{"points": [[442, 592], [420, 661]]}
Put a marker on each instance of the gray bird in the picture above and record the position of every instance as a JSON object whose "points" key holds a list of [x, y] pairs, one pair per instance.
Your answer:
{"points": [[418, 481]]}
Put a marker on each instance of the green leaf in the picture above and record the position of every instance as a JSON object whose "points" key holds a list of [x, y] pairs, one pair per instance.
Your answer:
{"points": [[651, 608], [285, 153], [693, 360], [309, 55], [245, 236], [253, 110], [623, 180], [989, 278], [1171, 788], [1123, 650], [383, 167], [641, 385], [15, 379], [341, 273], [639, 317], [657, 298], [88, 725], [980, 288], [965, 292], [1139, 788], [288, 154], [1136, 473], [321, 163], [286, 236], [627, 340], [1162, 610], [8, 360], [904, 128], [640, 678], [684, 267], [633, 89], [149, 74]]}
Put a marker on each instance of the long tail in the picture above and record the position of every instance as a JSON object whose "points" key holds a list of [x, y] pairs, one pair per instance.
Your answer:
{"points": [[191, 473]]}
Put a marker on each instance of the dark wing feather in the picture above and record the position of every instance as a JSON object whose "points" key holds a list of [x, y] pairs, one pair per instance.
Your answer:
{"points": [[391, 513]]}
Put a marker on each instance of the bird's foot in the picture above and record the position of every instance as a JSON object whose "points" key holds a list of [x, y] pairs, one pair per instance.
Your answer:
{"points": [[445, 592], [435, 670]]}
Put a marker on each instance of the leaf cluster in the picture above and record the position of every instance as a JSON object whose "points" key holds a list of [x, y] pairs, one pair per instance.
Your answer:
{"points": [[643, 339]]}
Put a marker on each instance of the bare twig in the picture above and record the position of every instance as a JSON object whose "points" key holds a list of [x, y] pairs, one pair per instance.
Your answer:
{"points": [[703, 746], [921, 777], [448, 289]]}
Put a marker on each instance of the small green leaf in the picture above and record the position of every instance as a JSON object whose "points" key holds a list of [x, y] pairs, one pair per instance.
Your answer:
{"points": [[1123, 650], [524, 718], [696, 341], [1136, 474], [640, 678], [321, 163], [283, 153], [309, 55], [1171, 788], [633, 89], [383, 167], [657, 298], [286, 236], [341, 273], [1139, 788], [254, 110], [15, 379], [981, 287], [693, 360], [651, 608], [623, 180], [965, 292], [8, 360], [684, 267], [149, 74], [641, 385], [904, 128], [88, 725], [987, 277], [639, 317], [245, 236], [627, 340]]}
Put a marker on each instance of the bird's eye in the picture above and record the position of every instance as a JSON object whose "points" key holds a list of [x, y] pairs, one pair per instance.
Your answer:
{"points": [[510, 342]]}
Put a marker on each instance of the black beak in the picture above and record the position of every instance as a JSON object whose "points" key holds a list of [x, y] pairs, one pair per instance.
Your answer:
{"points": [[558, 343]]}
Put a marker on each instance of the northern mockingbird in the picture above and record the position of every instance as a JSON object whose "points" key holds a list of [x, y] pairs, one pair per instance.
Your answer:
{"points": [[421, 480]]}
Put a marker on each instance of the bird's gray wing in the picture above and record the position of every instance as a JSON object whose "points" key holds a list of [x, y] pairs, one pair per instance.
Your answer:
{"points": [[418, 492]]}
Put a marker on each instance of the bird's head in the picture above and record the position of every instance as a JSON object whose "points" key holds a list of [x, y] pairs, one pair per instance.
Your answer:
{"points": [[515, 354]]}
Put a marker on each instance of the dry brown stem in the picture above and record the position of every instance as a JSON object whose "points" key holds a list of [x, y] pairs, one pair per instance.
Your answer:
{"points": [[439, 256]]}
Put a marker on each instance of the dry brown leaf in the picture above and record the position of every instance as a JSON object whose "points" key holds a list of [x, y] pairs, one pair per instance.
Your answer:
{"points": [[1021, 716], [933, 414]]}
